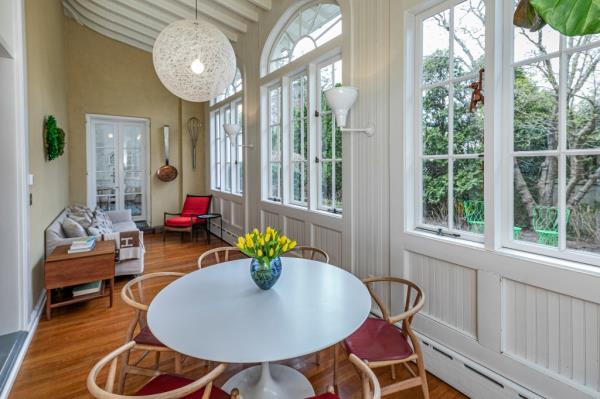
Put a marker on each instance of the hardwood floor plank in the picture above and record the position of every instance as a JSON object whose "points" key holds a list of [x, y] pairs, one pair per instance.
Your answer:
{"points": [[65, 348]]}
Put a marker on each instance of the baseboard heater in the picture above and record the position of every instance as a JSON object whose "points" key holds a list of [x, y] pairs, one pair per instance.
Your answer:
{"points": [[467, 376]]}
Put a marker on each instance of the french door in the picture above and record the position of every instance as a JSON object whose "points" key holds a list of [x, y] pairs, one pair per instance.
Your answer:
{"points": [[118, 163]]}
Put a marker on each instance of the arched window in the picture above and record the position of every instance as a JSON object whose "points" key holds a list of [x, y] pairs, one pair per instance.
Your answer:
{"points": [[303, 156], [311, 27], [227, 158]]}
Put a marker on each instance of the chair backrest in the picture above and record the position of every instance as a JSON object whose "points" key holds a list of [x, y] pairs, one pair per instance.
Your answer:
{"points": [[196, 205], [370, 384], [221, 254], [413, 302], [138, 294], [307, 252], [112, 358]]}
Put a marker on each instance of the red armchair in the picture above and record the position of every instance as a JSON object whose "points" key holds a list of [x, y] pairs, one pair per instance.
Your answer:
{"points": [[187, 220]]}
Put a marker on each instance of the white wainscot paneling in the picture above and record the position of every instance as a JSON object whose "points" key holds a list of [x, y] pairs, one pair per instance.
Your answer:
{"points": [[269, 219], [329, 241], [237, 219], [294, 229], [226, 211], [555, 332], [450, 291]]}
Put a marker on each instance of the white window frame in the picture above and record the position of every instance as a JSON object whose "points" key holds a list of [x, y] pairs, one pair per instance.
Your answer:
{"points": [[450, 156], [334, 159], [306, 161], [498, 139], [269, 142], [219, 142], [308, 64]]}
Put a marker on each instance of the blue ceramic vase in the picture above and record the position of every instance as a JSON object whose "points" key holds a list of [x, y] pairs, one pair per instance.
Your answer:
{"points": [[264, 274]]}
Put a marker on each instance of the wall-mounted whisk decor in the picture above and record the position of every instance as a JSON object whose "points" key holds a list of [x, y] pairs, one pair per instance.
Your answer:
{"points": [[193, 128]]}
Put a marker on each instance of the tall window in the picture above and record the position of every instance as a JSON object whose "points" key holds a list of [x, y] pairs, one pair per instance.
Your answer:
{"points": [[548, 140], [227, 172], [299, 125], [311, 27], [450, 138], [556, 140], [304, 156], [274, 144], [329, 141]]}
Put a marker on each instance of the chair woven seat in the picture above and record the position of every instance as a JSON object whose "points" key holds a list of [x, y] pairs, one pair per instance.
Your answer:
{"points": [[378, 340]]}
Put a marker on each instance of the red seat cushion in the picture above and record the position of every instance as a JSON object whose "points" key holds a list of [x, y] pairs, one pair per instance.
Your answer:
{"points": [[377, 340], [196, 205], [145, 337], [167, 382], [325, 396], [182, 221]]}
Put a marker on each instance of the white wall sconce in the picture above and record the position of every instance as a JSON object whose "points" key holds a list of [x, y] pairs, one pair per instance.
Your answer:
{"points": [[233, 130], [341, 99]]}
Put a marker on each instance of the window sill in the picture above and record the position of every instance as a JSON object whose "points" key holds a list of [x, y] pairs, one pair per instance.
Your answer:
{"points": [[317, 212], [517, 254], [227, 195]]}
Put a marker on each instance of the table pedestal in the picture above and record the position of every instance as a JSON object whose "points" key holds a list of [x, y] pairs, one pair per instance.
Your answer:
{"points": [[269, 381]]}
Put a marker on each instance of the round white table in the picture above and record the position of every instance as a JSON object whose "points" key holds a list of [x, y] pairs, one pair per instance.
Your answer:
{"points": [[219, 314]]}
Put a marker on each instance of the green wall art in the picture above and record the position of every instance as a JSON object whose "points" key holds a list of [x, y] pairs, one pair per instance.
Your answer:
{"points": [[55, 139]]}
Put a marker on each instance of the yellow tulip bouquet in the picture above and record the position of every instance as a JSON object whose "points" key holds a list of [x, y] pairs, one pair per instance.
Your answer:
{"points": [[265, 246], [265, 250]]}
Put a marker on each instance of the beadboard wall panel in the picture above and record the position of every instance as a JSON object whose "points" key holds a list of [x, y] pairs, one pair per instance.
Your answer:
{"points": [[556, 332], [450, 289], [328, 240], [231, 208], [294, 228]]}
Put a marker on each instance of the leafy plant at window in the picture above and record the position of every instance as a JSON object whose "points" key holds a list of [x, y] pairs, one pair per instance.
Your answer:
{"points": [[569, 17], [55, 139]]}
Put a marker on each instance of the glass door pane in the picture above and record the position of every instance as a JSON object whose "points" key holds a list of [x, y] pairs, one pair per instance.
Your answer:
{"points": [[133, 156], [106, 165]]}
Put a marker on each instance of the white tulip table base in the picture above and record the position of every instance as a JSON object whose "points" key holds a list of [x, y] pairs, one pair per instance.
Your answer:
{"points": [[270, 381]]}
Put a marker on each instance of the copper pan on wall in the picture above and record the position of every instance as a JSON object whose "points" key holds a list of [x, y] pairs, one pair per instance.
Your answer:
{"points": [[166, 172]]}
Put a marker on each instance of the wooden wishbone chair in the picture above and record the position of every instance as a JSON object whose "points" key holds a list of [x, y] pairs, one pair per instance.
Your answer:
{"points": [[394, 345], [134, 295], [160, 386], [306, 252], [220, 254]]}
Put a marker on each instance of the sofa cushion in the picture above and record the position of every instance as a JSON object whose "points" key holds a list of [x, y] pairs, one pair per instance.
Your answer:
{"points": [[82, 219], [72, 228]]}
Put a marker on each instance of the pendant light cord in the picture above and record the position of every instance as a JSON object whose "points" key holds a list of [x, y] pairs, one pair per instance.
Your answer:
{"points": [[196, 10]]}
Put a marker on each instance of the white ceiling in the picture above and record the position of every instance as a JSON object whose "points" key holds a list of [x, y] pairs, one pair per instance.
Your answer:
{"points": [[138, 22]]}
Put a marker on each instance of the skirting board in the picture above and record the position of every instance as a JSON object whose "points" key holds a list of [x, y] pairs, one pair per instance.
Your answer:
{"points": [[34, 320]]}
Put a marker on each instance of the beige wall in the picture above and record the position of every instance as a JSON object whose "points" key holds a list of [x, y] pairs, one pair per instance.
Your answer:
{"points": [[47, 95], [112, 78]]}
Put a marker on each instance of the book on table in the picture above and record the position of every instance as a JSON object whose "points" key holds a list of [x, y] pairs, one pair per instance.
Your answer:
{"points": [[82, 245], [87, 288]]}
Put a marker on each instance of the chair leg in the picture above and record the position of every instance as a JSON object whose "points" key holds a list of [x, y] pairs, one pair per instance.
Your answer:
{"points": [[318, 358], [423, 375], [335, 364], [164, 234], [123, 372], [157, 361], [178, 363], [393, 369]]}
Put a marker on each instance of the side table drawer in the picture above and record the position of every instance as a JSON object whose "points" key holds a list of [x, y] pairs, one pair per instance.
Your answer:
{"points": [[78, 271]]}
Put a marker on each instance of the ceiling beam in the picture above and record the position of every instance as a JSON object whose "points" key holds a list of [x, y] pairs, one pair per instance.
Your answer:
{"points": [[211, 11], [106, 32], [176, 12], [107, 24], [93, 6], [131, 14], [264, 4], [240, 7]]}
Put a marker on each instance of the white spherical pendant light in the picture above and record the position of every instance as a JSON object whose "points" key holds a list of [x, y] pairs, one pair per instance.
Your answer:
{"points": [[194, 60]]}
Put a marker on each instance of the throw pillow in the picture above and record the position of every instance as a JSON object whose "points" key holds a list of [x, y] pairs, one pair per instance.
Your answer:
{"points": [[73, 229], [83, 219]]}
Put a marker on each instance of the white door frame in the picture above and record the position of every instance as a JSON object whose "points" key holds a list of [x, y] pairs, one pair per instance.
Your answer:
{"points": [[91, 160]]}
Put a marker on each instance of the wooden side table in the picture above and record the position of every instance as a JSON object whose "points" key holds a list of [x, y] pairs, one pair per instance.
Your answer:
{"points": [[62, 269]]}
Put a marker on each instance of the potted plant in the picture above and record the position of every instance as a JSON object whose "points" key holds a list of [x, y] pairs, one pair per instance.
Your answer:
{"points": [[265, 250]]}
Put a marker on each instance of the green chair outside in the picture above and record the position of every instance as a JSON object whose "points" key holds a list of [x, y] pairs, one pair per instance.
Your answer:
{"points": [[474, 211], [545, 224]]}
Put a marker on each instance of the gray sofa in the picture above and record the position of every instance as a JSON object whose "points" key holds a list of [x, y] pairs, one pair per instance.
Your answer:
{"points": [[121, 222]]}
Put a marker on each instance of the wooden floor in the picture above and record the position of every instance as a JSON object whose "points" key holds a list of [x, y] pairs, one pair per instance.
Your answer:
{"points": [[65, 348]]}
